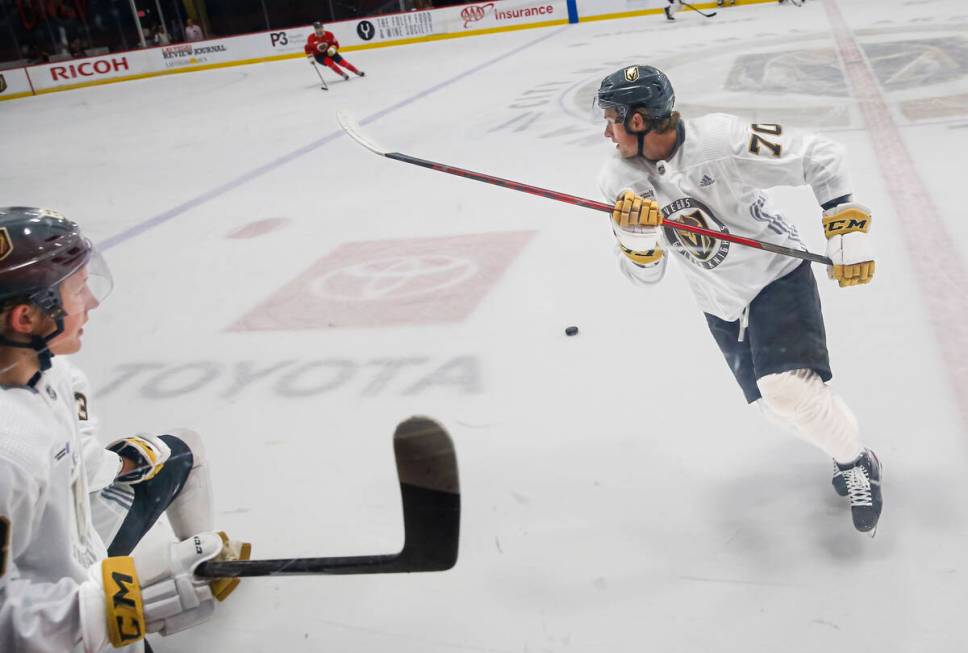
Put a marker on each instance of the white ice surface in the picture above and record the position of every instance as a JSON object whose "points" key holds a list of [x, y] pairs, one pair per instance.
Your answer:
{"points": [[618, 493]]}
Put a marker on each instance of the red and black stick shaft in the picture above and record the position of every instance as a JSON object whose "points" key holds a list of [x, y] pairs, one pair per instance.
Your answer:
{"points": [[601, 206]]}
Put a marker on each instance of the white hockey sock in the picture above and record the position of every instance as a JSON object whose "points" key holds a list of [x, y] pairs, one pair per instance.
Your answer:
{"points": [[802, 400], [191, 512]]}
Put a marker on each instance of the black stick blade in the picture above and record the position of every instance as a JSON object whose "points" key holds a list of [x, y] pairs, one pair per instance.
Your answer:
{"points": [[430, 487], [427, 471]]}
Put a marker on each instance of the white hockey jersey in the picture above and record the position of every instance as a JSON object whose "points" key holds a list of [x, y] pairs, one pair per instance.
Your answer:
{"points": [[49, 463], [715, 180]]}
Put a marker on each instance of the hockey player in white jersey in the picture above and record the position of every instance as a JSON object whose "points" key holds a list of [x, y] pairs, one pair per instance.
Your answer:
{"points": [[71, 510], [762, 308]]}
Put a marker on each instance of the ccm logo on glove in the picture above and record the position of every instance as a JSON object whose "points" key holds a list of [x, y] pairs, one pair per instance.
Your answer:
{"points": [[843, 224], [125, 611]]}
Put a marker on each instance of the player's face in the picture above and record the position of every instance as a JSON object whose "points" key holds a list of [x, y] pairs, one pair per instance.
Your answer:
{"points": [[627, 144], [77, 300], [319, 31]]}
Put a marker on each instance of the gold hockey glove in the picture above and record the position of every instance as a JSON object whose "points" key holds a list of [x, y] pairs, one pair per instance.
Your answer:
{"points": [[848, 245], [632, 211]]}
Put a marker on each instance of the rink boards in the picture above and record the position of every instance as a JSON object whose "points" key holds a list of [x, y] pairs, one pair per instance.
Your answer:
{"points": [[359, 34]]}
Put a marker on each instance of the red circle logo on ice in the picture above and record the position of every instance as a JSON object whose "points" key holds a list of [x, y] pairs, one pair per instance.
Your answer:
{"points": [[380, 283], [394, 278], [474, 13]]}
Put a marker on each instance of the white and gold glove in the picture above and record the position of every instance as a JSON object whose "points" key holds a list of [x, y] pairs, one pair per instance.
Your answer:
{"points": [[642, 259], [635, 223], [331, 51], [157, 592], [148, 452], [848, 244]]}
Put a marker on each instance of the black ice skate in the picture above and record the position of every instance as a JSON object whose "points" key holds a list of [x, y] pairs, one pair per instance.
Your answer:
{"points": [[668, 13], [840, 485], [345, 77], [361, 73], [862, 479]]}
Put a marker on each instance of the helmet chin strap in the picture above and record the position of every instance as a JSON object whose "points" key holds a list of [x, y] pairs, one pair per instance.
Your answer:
{"points": [[640, 135], [40, 344], [641, 138]]}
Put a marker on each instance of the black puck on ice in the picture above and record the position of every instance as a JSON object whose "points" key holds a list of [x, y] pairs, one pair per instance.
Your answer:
{"points": [[571, 331]]}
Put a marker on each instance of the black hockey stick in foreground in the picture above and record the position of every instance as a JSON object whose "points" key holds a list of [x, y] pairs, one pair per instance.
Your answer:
{"points": [[697, 10], [348, 124], [322, 81], [427, 469]]}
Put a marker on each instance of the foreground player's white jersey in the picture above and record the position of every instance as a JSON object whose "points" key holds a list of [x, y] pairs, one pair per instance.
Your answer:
{"points": [[48, 465], [715, 180]]}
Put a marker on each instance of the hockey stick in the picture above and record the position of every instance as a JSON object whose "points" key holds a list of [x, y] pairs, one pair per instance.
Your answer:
{"points": [[427, 470], [695, 9], [352, 129], [322, 81]]}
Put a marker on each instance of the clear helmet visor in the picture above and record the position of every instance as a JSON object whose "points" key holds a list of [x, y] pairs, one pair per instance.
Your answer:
{"points": [[99, 281], [605, 111], [87, 287]]}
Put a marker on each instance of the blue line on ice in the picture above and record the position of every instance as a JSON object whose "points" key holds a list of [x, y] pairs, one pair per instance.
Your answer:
{"points": [[218, 191]]}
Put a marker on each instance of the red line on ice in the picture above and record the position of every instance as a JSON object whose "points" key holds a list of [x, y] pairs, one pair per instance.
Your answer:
{"points": [[939, 269]]}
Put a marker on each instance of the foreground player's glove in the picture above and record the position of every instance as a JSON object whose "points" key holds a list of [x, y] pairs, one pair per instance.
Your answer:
{"points": [[848, 244], [642, 259], [331, 51], [635, 222], [157, 592], [148, 453]]}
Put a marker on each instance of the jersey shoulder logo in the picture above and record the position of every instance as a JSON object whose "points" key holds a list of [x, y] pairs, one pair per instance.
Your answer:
{"points": [[699, 249]]}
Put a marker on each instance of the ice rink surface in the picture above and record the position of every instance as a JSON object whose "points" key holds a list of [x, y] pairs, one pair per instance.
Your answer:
{"points": [[293, 297]]}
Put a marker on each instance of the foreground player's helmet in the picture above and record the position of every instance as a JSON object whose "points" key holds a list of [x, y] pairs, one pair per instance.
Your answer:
{"points": [[318, 26], [39, 249], [637, 89]]}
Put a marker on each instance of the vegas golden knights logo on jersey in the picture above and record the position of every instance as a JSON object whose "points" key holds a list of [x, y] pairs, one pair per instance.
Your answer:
{"points": [[699, 249], [699, 245], [5, 245], [632, 73]]}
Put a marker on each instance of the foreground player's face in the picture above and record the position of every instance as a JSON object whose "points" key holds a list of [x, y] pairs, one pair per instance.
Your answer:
{"points": [[77, 299], [627, 144]]}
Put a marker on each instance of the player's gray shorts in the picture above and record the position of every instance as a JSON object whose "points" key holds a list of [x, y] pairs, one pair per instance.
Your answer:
{"points": [[785, 332]]}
